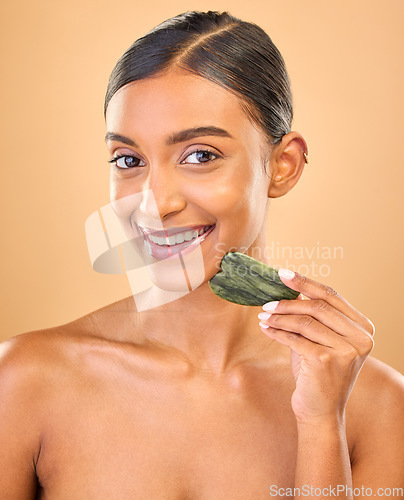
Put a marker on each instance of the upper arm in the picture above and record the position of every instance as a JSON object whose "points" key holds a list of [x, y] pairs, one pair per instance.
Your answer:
{"points": [[19, 422], [378, 454]]}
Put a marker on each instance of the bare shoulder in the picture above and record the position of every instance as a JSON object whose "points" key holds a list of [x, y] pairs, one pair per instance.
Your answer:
{"points": [[30, 361], [40, 370], [379, 390], [31, 366], [42, 351], [375, 416], [44, 376], [41, 359]]}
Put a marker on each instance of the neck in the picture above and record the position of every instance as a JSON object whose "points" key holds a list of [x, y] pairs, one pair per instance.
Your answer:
{"points": [[211, 333]]}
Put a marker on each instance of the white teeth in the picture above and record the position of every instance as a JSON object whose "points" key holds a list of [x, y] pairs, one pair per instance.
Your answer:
{"points": [[188, 236], [158, 240], [178, 238]]}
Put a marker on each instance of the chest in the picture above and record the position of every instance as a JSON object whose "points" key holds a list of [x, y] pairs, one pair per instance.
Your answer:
{"points": [[161, 440]]}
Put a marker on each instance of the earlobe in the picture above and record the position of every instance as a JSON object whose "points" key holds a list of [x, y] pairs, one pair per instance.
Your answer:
{"points": [[287, 162]]}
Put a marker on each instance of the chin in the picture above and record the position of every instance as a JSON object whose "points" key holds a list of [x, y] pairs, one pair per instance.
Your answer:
{"points": [[169, 278], [179, 273]]}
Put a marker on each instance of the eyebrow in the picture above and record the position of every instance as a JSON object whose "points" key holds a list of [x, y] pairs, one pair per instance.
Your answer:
{"points": [[190, 133], [111, 136], [180, 136]]}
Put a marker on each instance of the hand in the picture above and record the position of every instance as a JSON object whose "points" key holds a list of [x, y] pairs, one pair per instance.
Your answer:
{"points": [[329, 341]]}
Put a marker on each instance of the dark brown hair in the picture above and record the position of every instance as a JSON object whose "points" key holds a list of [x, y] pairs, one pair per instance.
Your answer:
{"points": [[235, 54]]}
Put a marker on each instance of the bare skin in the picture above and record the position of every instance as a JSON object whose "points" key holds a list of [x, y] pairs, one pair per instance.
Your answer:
{"points": [[193, 399]]}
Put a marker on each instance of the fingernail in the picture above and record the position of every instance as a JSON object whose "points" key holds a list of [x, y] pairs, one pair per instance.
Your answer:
{"points": [[270, 306], [286, 273], [263, 325], [264, 316]]}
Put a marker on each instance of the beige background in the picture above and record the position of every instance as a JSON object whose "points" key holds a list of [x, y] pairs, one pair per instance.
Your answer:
{"points": [[345, 62]]}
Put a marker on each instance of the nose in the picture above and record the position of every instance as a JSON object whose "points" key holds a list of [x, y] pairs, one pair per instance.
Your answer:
{"points": [[161, 195]]}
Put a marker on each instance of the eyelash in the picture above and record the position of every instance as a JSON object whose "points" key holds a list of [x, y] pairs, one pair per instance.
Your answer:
{"points": [[118, 157]]}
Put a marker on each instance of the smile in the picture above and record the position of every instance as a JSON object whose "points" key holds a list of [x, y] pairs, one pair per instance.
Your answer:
{"points": [[164, 244], [178, 238]]}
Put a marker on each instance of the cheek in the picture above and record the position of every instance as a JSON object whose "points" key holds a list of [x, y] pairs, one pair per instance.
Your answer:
{"points": [[119, 188], [125, 199], [244, 193], [113, 191], [238, 201]]}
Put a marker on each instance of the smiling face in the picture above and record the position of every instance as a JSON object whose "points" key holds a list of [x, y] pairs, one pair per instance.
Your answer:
{"points": [[193, 161]]}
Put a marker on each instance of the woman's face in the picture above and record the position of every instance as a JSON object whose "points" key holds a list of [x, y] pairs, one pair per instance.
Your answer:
{"points": [[192, 162]]}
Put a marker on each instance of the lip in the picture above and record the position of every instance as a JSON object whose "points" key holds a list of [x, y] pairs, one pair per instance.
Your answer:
{"points": [[163, 252]]}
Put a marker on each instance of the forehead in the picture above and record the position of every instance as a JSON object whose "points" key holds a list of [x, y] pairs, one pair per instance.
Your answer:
{"points": [[175, 100]]}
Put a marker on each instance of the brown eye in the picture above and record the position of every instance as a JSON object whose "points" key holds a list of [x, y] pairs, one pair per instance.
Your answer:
{"points": [[200, 156], [127, 161]]}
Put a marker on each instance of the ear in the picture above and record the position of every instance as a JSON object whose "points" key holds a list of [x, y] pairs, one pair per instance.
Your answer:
{"points": [[286, 164]]}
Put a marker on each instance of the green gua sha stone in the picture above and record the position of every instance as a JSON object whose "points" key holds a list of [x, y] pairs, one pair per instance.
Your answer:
{"points": [[248, 281]]}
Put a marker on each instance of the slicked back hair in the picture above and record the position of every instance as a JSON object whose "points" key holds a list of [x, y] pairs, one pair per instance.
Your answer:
{"points": [[234, 54]]}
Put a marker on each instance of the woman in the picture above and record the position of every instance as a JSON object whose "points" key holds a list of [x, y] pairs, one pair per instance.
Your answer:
{"points": [[198, 397]]}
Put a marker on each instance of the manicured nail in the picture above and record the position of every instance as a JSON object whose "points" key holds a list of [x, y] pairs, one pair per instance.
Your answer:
{"points": [[270, 306], [264, 316], [286, 273], [263, 325]]}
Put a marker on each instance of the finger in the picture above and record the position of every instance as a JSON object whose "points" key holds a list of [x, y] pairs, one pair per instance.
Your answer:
{"points": [[317, 332], [299, 344], [306, 326], [316, 354], [315, 290], [321, 311]]}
